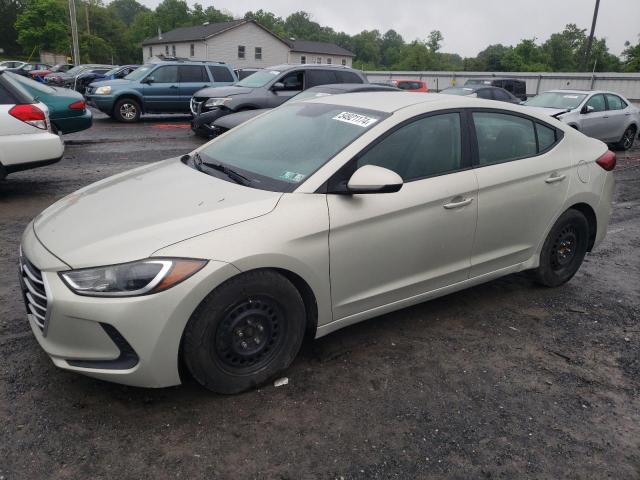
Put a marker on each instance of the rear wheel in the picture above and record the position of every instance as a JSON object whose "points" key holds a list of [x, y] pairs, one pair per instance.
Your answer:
{"points": [[563, 250], [127, 110], [628, 137], [245, 332]]}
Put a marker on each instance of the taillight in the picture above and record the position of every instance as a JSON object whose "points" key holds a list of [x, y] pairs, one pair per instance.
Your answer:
{"points": [[30, 114], [79, 105], [607, 161]]}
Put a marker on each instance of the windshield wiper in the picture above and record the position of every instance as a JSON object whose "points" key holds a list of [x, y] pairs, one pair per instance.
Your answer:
{"points": [[229, 172]]}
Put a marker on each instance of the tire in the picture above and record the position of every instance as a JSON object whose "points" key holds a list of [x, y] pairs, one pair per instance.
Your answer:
{"points": [[628, 138], [563, 250], [245, 332], [126, 110]]}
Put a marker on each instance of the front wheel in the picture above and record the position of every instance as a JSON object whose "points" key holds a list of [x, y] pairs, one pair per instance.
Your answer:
{"points": [[126, 110], [563, 250], [245, 332]]}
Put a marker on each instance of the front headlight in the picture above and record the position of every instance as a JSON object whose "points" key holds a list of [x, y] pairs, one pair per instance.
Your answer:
{"points": [[103, 90], [131, 279], [217, 102]]}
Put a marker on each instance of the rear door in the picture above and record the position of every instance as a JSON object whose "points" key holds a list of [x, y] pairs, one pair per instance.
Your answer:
{"points": [[320, 77], [522, 167], [161, 95], [192, 78], [618, 117], [594, 123]]}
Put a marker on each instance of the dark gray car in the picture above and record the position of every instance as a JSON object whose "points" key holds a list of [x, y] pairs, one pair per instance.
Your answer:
{"points": [[232, 120], [267, 88]]}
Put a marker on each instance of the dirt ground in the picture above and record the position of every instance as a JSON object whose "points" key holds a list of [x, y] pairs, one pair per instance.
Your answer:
{"points": [[505, 380]]}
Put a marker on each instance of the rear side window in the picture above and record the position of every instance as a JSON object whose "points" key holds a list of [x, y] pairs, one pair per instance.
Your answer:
{"points": [[500, 95], [615, 102], [484, 93], [503, 137], [320, 77], [424, 148], [220, 73], [546, 137], [347, 77], [192, 73], [5, 97]]}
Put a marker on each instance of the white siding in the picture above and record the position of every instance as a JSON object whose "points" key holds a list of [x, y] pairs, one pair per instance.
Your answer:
{"points": [[295, 57]]}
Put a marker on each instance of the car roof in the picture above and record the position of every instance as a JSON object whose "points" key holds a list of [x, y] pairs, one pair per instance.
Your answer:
{"points": [[288, 66], [582, 92], [485, 79]]}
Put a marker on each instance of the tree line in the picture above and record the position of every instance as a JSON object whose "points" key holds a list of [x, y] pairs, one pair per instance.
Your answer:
{"points": [[113, 32]]}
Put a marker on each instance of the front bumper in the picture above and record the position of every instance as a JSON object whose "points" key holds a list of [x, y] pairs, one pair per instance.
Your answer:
{"points": [[133, 341], [104, 103], [202, 124]]}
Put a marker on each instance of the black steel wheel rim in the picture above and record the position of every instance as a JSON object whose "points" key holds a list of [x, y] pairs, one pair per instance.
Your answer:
{"points": [[249, 335], [564, 248]]}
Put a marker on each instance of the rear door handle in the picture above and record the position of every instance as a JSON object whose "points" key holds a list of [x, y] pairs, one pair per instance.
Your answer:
{"points": [[554, 178], [173, 86], [458, 203]]}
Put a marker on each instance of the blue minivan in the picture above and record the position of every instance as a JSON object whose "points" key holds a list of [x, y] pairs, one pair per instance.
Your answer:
{"points": [[162, 87]]}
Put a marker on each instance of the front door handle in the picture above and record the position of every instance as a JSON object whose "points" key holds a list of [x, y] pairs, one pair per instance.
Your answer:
{"points": [[458, 202], [555, 178], [173, 86]]}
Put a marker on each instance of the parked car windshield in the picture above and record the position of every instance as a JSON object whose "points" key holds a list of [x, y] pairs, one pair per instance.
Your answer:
{"points": [[113, 71], [140, 72], [32, 84], [458, 91], [258, 79], [282, 148], [76, 70], [556, 100]]}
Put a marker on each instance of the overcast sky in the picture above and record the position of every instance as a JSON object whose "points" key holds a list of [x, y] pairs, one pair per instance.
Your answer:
{"points": [[468, 26]]}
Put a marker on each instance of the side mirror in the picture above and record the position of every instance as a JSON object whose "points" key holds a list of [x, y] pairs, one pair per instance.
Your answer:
{"points": [[149, 80], [587, 109], [374, 179], [278, 86]]}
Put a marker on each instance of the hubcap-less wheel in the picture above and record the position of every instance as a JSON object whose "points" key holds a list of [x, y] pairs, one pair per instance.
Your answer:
{"points": [[128, 111], [249, 335], [564, 248]]}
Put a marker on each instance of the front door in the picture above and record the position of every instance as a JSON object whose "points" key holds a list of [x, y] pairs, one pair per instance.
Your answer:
{"points": [[522, 184], [293, 84], [594, 123], [389, 247], [161, 94]]}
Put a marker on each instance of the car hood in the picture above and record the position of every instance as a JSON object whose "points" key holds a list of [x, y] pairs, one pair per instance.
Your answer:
{"points": [[131, 215], [234, 119], [111, 83], [213, 92], [546, 111]]}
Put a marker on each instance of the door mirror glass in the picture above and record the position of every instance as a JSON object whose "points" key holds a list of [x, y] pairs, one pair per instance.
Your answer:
{"points": [[374, 179], [277, 87], [149, 80]]}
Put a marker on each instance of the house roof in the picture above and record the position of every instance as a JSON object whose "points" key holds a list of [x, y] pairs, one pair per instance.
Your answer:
{"points": [[202, 32], [324, 48]]}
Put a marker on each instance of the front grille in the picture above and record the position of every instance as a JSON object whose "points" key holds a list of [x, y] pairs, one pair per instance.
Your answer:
{"points": [[34, 292], [196, 105]]}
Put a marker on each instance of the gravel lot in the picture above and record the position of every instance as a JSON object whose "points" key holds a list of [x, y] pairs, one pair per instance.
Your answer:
{"points": [[505, 380]]}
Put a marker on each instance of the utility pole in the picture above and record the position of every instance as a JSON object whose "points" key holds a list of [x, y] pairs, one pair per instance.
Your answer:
{"points": [[593, 29], [74, 32]]}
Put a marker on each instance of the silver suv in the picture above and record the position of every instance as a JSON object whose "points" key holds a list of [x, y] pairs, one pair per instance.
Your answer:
{"points": [[266, 88]]}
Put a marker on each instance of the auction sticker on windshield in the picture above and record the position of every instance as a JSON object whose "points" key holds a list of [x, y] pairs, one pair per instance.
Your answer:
{"points": [[355, 119]]}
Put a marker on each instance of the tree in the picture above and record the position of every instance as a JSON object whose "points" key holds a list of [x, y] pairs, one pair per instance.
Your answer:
{"points": [[43, 25], [171, 14], [126, 10], [268, 20], [631, 56], [434, 39], [9, 10]]}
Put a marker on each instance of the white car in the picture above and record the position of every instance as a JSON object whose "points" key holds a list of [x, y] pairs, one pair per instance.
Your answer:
{"points": [[607, 116], [311, 217], [26, 140]]}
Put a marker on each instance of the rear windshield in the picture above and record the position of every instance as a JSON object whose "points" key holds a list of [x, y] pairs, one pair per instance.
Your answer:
{"points": [[556, 100], [258, 79], [32, 85]]}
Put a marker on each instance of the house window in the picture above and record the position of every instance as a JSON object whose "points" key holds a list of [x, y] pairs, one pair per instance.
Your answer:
{"points": [[240, 51], [166, 49], [344, 62], [192, 50], [329, 61], [150, 51], [258, 53], [319, 60], [303, 59], [173, 50]]}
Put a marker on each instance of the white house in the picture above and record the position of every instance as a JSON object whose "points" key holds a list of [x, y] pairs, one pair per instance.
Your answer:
{"points": [[241, 43]]}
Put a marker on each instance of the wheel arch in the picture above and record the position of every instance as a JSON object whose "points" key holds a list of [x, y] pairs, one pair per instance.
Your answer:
{"points": [[130, 95], [592, 220]]}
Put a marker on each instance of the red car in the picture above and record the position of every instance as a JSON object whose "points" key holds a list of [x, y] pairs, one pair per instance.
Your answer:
{"points": [[41, 73], [410, 85]]}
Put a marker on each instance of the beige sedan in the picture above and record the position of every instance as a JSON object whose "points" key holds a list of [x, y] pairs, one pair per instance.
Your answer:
{"points": [[309, 218]]}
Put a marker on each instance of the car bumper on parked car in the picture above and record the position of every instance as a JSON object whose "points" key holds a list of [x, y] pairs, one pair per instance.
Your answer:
{"points": [[74, 124], [125, 340], [104, 103], [202, 124]]}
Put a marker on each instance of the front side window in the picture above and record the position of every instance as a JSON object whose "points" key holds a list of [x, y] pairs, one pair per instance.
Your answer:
{"points": [[293, 81], [615, 102], [597, 103], [192, 73], [503, 137], [167, 74], [424, 148], [258, 53], [285, 146], [240, 51]]}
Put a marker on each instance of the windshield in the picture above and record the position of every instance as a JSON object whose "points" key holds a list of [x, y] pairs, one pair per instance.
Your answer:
{"points": [[458, 91], [307, 94], [564, 100], [76, 70], [282, 148], [140, 72], [32, 85], [113, 71], [258, 79]]}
